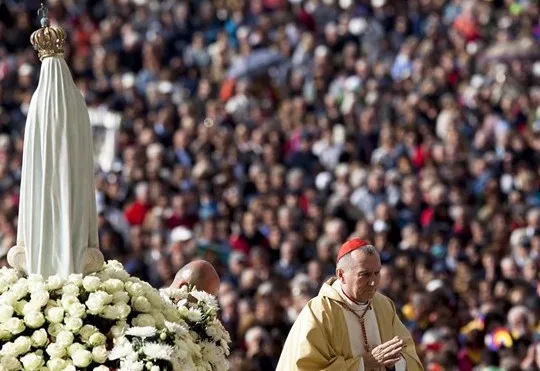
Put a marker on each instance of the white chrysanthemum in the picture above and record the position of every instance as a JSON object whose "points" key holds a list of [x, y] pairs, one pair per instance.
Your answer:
{"points": [[142, 332], [130, 365], [121, 349], [211, 331], [158, 351], [205, 297], [194, 315]]}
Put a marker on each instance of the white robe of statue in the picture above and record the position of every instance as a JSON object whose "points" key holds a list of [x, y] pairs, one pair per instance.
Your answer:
{"points": [[57, 215]]}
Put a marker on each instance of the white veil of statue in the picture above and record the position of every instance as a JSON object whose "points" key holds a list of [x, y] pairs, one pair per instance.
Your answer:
{"points": [[57, 215]]}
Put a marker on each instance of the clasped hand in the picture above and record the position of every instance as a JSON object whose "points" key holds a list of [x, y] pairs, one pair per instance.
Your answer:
{"points": [[384, 355]]}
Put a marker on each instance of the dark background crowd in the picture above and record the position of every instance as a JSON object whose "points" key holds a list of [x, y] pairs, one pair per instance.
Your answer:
{"points": [[261, 134]]}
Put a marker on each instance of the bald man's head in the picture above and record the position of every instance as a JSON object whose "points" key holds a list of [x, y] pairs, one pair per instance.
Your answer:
{"points": [[198, 273]]}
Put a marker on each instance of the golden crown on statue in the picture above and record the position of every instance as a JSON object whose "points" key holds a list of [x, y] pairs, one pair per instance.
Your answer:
{"points": [[48, 41]]}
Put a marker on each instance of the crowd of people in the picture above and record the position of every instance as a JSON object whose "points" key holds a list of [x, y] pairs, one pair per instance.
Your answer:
{"points": [[413, 124]]}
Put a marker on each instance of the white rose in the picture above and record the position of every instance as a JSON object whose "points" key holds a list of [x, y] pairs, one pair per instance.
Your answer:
{"points": [[14, 325], [100, 354], [113, 285], [101, 368], [97, 339], [71, 289], [35, 278], [39, 338], [155, 298], [65, 338], [141, 304], [143, 320], [4, 334], [68, 300], [4, 285], [57, 364], [20, 289], [74, 348], [56, 350], [37, 287], [119, 329], [30, 307], [6, 312], [76, 279], [8, 298], [87, 331], [39, 298], [77, 310], [54, 283], [10, 363], [81, 358], [34, 320], [121, 297], [154, 368], [32, 362], [22, 345], [91, 283], [70, 367], [20, 306], [124, 310], [73, 324], [97, 301], [8, 349], [54, 329], [54, 314], [134, 289], [111, 312]]}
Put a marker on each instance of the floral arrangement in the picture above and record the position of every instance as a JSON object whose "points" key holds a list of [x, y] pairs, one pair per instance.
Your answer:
{"points": [[104, 321]]}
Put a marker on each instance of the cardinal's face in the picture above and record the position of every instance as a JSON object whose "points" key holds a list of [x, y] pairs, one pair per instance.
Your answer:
{"points": [[360, 280]]}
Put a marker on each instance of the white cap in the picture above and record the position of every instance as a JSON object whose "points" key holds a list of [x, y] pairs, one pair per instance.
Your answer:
{"points": [[181, 234], [128, 80], [378, 3], [26, 70], [322, 180]]}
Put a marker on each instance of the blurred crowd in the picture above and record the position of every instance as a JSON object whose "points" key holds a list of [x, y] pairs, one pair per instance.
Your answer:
{"points": [[414, 124]]}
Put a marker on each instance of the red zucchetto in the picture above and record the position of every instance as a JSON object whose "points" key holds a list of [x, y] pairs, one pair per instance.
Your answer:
{"points": [[351, 245]]}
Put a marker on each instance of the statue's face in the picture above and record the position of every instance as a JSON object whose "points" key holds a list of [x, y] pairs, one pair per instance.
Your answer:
{"points": [[361, 279]]}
